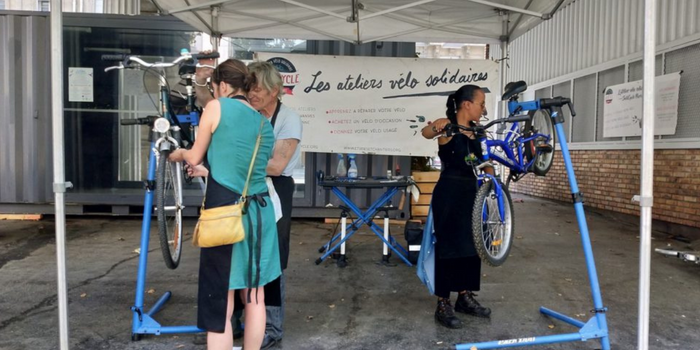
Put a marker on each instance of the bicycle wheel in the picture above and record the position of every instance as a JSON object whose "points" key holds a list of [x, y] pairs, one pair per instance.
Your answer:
{"points": [[169, 209], [540, 149], [493, 237]]}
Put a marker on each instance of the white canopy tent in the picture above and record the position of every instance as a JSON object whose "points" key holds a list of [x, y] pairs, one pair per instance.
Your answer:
{"points": [[355, 21], [460, 21]]}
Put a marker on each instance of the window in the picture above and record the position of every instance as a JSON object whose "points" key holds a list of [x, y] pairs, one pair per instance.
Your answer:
{"points": [[44, 5], [588, 97]]}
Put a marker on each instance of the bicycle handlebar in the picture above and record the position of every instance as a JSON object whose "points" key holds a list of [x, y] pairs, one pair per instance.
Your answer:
{"points": [[452, 128], [126, 59], [204, 56], [139, 121], [558, 102]]}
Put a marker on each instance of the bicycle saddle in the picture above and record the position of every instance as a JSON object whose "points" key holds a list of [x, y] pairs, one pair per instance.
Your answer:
{"points": [[513, 88]]}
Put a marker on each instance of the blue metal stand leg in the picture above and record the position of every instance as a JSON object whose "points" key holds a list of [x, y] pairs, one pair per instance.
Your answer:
{"points": [[145, 237], [599, 309], [159, 304], [143, 322], [561, 317]]}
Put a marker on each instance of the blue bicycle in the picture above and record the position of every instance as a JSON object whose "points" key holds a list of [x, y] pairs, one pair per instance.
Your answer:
{"points": [[527, 148]]}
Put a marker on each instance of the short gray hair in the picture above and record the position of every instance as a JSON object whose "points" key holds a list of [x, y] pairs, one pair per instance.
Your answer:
{"points": [[268, 76]]}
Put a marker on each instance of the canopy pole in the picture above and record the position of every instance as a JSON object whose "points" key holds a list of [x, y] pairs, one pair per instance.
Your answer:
{"points": [[215, 34], [647, 176], [59, 181], [502, 64], [501, 105]]}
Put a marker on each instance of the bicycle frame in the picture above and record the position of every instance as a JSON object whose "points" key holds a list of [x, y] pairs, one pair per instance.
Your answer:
{"points": [[515, 162]]}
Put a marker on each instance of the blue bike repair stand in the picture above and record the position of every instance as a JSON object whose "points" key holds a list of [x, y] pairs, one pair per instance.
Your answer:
{"points": [[596, 327], [143, 322]]}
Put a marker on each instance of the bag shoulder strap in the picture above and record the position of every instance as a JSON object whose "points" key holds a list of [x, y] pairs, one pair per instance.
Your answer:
{"points": [[252, 160]]}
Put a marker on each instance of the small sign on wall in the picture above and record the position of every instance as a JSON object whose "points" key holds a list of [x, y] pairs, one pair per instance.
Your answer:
{"points": [[623, 107], [80, 85]]}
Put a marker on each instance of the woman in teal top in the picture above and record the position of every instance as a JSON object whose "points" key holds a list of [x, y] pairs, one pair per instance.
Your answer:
{"points": [[227, 136]]}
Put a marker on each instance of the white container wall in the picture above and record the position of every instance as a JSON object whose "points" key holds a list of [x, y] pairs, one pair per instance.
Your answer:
{"points": [[117, 7], [587, 33], [592, 44]]}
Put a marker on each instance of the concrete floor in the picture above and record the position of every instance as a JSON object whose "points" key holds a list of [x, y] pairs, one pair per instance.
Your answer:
{"points": [[364, 306]]}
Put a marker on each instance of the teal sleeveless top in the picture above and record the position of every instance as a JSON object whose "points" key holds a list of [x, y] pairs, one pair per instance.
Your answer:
{"points": [[254, 261]]}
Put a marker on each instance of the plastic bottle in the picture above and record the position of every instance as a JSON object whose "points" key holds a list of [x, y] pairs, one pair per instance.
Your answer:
{"points": [[352, 171], [341, 171]]}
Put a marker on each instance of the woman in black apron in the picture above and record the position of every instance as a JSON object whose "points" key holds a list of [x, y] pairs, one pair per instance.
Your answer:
{"points": [[457, 265]]}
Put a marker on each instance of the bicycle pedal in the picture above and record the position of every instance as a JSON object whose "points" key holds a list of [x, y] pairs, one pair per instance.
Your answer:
{"points": [[544, 148]]}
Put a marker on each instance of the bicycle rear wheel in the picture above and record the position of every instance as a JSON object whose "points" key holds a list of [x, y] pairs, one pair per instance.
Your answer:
{"points": [[541, 149], [493, 237], [169, 209]]}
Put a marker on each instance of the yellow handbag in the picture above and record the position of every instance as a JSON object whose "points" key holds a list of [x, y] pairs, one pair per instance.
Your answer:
{"points": [[224, 225]]}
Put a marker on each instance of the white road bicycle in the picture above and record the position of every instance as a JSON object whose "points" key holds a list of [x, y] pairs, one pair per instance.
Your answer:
{"points": [[169, 132]]}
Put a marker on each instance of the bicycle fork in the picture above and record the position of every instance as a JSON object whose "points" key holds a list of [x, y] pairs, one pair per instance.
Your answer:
{"points": [[498, 192]]}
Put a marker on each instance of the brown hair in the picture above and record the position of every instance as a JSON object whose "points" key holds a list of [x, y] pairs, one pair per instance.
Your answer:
{"points": [[234, 73]]}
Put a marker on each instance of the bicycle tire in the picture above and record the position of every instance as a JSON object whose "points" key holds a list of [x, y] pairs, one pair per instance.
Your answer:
{"points": [[492, 238], [539, 149], [169, 209]]}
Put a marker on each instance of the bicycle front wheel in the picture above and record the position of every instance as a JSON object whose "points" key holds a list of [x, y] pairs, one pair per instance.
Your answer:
{"points": [[541, 149], [169, 209], [493, 236]]}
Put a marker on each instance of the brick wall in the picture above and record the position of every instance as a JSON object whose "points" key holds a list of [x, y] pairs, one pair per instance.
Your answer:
{"points": [[609, 178]]}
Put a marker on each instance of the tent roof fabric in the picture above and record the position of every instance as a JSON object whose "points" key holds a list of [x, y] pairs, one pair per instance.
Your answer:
{"points": [[362, 21]]}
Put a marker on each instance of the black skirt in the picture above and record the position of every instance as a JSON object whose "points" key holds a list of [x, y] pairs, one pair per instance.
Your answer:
{"points": [[453, 203], [214, 268], [456, 275]]}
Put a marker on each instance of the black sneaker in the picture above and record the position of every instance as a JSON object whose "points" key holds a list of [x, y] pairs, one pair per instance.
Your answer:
{"points": [[445, 315], [468, 305]]}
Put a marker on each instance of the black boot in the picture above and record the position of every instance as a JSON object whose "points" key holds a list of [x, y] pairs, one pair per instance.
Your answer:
{"points": [[445, 314], [468, 305]]}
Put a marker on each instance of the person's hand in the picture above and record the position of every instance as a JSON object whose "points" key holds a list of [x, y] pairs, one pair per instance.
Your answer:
{"points": [[196, 170], [438, 126], [176, 155], [203, 73]]}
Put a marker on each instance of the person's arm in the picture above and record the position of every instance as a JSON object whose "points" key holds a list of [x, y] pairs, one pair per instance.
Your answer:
{"points": [[435, 128], [200, 81], [207, 125], [196, 170], [284, 150]]}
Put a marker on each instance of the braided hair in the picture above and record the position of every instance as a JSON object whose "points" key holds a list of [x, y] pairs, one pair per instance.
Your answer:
{"points": [[454, 101]]}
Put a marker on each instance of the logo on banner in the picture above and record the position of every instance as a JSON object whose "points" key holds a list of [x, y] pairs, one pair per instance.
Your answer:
{"points": [[608, 96], [290, 77]]}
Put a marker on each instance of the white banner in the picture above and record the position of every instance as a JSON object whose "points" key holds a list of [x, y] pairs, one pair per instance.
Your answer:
{"points": [[622, 111], [374, 105]]}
